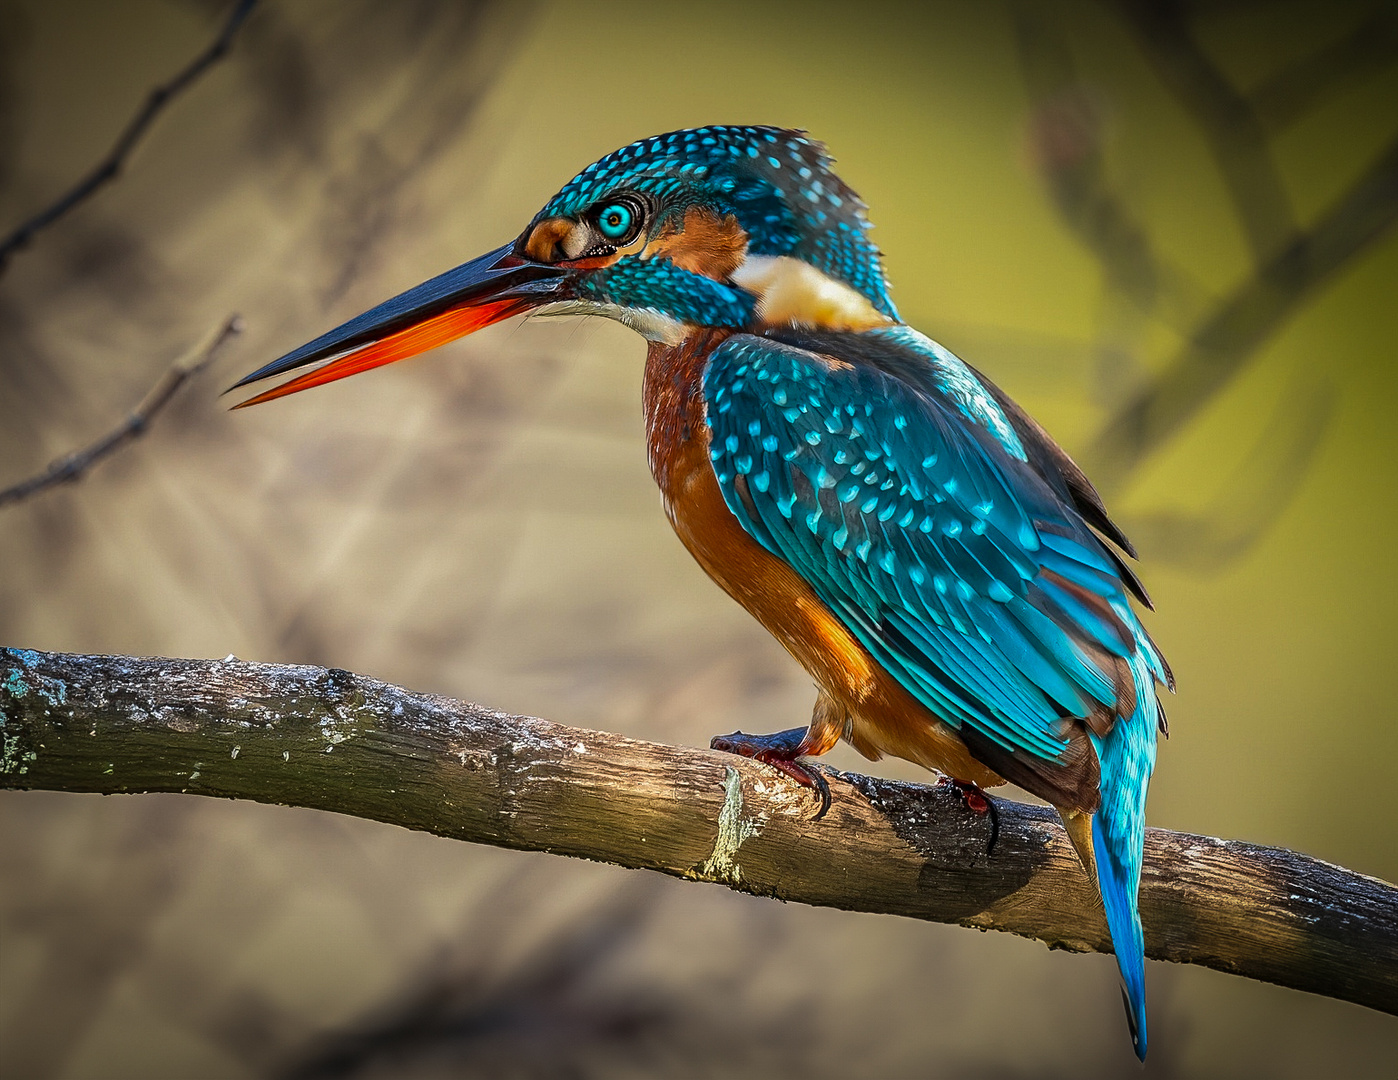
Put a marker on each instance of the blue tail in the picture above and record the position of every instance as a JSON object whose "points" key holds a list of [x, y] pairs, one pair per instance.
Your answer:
{"points": [[1127, 757]]}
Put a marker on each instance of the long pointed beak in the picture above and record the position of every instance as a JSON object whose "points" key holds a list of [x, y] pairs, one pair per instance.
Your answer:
{"points": [[476, 294]]}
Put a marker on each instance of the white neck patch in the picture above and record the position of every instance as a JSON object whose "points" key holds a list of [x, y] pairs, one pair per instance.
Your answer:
{"points": [[793, 292]]}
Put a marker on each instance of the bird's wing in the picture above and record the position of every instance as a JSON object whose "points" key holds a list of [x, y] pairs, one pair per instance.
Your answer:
{"points": [[931, 537]]}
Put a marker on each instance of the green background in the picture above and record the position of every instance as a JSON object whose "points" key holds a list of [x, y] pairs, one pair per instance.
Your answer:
{"points": [[480, 522]]}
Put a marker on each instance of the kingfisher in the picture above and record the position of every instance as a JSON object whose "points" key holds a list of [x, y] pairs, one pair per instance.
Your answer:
{"points": [[943, 570]]}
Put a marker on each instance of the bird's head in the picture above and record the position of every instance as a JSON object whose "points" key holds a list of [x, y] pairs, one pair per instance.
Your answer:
{"points": [[734, 227]]}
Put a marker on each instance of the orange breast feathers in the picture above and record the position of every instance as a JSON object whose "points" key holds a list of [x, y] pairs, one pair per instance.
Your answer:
{"points": [[880, 717]]}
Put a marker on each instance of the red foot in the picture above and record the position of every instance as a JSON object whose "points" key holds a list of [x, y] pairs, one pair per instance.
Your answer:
{"points": [[779, 751], [978, 802]]}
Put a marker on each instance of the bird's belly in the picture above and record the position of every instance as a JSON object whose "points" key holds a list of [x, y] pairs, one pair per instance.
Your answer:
{"points": [[883, 718]]}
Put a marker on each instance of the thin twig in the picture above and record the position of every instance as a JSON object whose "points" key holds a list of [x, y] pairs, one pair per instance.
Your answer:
{"points": [[333, 740], [107, 169], [72, 466]]}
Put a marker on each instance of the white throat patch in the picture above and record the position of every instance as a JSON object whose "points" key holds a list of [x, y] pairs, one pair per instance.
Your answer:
{"points": [[650, 324]]}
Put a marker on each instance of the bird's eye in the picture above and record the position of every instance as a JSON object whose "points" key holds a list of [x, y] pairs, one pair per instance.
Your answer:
{"points": [[619, 221], [615, 221]]}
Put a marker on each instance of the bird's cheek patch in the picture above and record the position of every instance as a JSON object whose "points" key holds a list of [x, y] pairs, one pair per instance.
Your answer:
{"points": [[704, 243]]}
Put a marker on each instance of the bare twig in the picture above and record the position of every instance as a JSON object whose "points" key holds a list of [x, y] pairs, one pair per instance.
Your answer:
{"points": [[332, 740], [107, 169], [73, 466]]}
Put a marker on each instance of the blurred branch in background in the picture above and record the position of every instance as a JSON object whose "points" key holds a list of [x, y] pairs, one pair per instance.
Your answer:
{"points": [[110, 166], [1365, 52], [74, 466], [1224, 116], [1253, 494], [334, 117], [331, 740], [1243, 322], [1290, 263], [1066, 144]]}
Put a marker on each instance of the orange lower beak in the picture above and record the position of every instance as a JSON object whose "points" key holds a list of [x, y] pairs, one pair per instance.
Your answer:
{"points": [[463, 300]]}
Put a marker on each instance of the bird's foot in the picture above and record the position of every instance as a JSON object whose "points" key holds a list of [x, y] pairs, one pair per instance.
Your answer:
{"points": [[978, 802], [779, 751]]}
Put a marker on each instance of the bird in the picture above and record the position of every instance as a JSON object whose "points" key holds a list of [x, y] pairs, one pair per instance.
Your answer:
{"points": [[922, 547]]}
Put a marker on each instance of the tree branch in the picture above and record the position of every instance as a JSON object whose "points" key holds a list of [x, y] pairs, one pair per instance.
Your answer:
{"points": [[107, 169], [73, 466], [332, 740]]}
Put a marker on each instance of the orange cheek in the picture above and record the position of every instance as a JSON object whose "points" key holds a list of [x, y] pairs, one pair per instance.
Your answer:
{"points": [[705, 244]]}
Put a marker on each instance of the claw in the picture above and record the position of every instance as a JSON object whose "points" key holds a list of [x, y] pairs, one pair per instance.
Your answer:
{"points": [[978, 802], [779, 751]]}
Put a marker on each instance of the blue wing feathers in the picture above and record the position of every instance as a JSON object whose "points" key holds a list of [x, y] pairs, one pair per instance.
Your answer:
{"points": [[922, 513], [1110, 634]]}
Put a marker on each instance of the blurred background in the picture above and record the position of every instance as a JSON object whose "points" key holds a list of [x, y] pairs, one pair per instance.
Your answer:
{"points": [[1099, 204]]}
